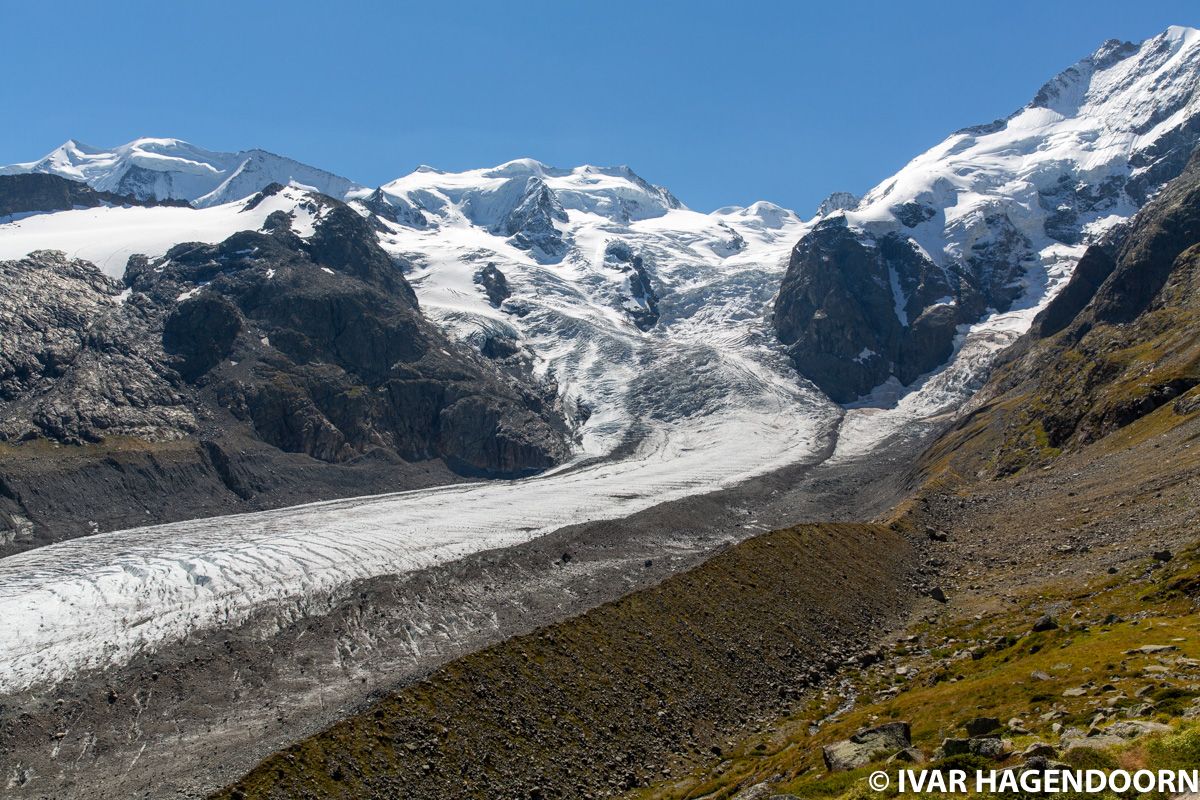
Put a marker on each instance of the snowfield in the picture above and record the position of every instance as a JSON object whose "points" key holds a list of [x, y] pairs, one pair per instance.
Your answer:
{"points": [[108, 236], [701, 398]]}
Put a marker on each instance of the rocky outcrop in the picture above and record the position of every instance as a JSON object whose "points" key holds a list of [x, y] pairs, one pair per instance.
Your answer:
{"points": [[266, 342], [494, 284], [530, 224], [866, 746], [1119, 343], [641, 302], [884, 309], [79, 362], [837, 201], [39, 193], [396, 209]]}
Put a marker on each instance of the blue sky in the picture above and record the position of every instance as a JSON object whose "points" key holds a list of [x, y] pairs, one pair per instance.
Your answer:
{"points": [[724, 103]]}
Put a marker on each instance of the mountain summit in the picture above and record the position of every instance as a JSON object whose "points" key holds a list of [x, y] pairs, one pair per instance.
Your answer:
{"points": [[172, 169], [991, 220]]}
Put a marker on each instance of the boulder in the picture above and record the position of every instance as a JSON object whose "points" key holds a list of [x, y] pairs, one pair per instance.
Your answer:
{"points": [[981, 726], [1132, 729], [1039, 750], [990, 747], [759, 791], [1113, 736], [1151, 649], [909, 755], [867, 745], [953, 747]]}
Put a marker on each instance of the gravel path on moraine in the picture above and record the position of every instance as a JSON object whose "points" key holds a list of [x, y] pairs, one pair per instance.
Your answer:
{"points": [[196, 715]]}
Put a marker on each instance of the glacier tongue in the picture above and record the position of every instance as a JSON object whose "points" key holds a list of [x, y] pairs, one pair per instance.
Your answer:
{"points": [[96, 601]]}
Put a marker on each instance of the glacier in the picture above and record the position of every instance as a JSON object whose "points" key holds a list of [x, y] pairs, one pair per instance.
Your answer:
{"points": [[702, 399]]}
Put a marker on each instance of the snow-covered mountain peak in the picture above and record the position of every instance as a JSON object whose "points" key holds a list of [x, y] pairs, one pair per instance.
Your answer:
{"points": [[486, 197], [1093, 144], [760, 214], [520, 167], [837, 201], [172, 169], [984, 228]]}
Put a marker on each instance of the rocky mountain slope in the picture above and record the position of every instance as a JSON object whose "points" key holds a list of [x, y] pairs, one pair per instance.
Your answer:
{"points": [[1119, 343], [37, 193], [300, 338], [616, 699], [990, 221]]}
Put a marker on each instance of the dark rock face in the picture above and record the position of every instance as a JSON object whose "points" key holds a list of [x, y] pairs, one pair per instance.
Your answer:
{"points": [[913, 214], [494, 284], [844, 325], [395, 209], [1070, 198], [642, 302], [1168, 226], [530, 225], [645, 315], [1091, 271], [38, 192], [263, 343], [201, 332]]}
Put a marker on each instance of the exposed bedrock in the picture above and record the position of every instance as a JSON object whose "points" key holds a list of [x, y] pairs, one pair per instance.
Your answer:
{"points": [[302, 355]]}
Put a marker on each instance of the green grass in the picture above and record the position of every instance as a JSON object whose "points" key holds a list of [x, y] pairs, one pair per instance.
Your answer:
{"points": [[998, 683]]}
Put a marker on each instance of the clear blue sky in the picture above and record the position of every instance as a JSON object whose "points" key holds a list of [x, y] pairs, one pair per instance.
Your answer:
{"points": [[721, 102]]}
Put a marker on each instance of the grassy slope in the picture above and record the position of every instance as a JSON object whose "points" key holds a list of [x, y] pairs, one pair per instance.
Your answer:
{"points": [[983, 667]]}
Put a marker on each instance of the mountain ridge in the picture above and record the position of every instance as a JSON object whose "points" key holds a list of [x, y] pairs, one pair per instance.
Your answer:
{"points": [[172, 169], [992, 219]]}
